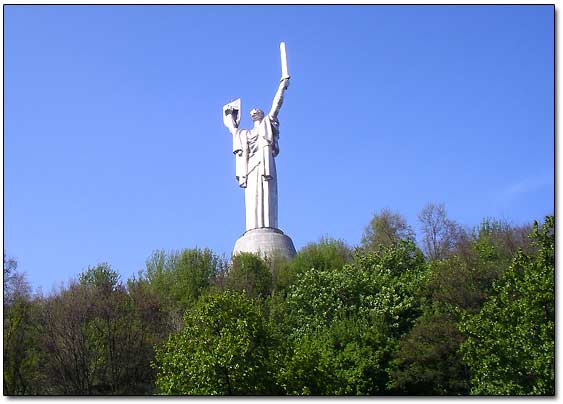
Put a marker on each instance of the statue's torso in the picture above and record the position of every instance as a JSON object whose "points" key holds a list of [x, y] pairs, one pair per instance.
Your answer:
{"points": [[254, 141]]}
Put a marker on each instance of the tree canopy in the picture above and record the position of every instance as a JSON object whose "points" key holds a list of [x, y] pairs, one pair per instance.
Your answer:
{"points": [[461, 312]]}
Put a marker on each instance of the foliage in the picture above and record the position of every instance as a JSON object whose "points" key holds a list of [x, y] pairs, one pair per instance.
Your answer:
{"points": [[101, 279], [251, 274], [182, 276], [20, 332], [465, 280], [428, 361], [179, 278], [15, 285], [455, 285], [386, 228], [385, 281], [346, 322], [93, 335], [347, 357], [226, 347], [510, 342], [328, 253], [324, 254], [502, 239], [475, 314]]}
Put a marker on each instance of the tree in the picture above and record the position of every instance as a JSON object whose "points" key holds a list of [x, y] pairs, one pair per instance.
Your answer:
{"points": [[65, 343], [346, 322], [386, 228], [439, 234], [510, 347], [428, 361], [94, 338], [21, 332], [151, 328], [348, 356], [180, 277], [387, 281], [251, 274], [503, 239], [327, 253], [225, 348], [456, 285], [10, 279]]}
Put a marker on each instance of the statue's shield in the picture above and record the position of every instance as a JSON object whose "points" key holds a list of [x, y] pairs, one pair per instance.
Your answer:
{"points": [[232, 108]]}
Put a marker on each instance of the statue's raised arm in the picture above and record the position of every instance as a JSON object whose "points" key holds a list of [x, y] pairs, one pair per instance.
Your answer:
{"points": [[284, 83], [278, 98]]}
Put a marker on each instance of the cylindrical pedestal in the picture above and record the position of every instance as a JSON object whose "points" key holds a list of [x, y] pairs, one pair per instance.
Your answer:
{"points": [[265, 241]]}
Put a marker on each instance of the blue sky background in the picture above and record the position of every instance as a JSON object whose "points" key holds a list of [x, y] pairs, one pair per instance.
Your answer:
{"points": [[114, 144]]}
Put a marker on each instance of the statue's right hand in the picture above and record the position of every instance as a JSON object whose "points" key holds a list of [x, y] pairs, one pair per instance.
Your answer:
{"points": [[284, 82]]}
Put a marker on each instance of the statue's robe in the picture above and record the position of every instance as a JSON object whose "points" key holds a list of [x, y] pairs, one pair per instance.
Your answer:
{"points": [[254, 151]]}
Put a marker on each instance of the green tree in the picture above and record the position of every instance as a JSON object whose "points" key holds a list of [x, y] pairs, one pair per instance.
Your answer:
{"points": [[511, 341], [21, 333], [346, 357], [149, 326], [180, 277], [386, 228], [465, 280], [346, 322], [326, 253], [94, 338], [428, 361], [251, 274], [375, 280], [502, 239], [455, 285], [225, 348]]}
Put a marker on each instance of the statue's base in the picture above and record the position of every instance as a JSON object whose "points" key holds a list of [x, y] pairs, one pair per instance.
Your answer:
{"points": [[266, 241]]}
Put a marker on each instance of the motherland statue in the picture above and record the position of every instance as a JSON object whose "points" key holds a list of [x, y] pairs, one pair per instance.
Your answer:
{"points": [[255, 171]]}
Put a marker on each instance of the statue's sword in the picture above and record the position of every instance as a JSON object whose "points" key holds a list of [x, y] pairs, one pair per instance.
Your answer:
{"points": [[283, 55]]}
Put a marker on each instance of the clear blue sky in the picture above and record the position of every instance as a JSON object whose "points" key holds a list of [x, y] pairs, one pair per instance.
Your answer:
{"points": [[114, 144]]}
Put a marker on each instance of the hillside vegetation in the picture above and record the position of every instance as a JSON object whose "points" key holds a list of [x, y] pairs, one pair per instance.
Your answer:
{"points": [[463, 311]]}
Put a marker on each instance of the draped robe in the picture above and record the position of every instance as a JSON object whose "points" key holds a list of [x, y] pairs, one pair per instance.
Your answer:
{"points": [[254, 151]]}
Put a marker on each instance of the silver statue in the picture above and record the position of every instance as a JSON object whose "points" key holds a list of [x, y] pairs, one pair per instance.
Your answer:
{"points": [[255, 151]]}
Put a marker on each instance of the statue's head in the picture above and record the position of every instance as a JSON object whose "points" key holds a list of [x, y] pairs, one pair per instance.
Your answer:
{"points": [[256, 114]]}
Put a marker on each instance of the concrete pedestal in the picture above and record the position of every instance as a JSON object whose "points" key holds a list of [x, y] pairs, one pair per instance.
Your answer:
{"points": [[266, 241]]}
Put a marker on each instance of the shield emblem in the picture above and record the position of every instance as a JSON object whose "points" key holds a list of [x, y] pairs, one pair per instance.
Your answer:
{"points": [[232, 109]]}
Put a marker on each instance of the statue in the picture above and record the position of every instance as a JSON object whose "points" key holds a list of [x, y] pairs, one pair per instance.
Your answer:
{"points": [[255, 151]]}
